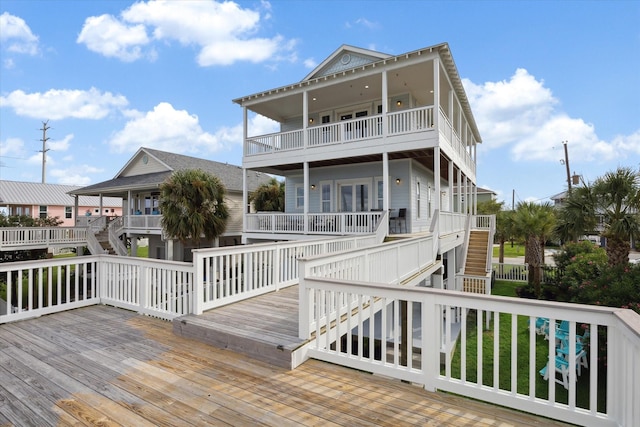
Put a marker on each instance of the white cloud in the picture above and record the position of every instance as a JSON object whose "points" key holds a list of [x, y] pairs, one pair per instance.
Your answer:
{"points": [[224, 32], [106, 35], [60, 145], [521, 114], [261, 125], [56, 104], [75, 175], [310, 63], [12, 147], [16, 36], [166, 128]]}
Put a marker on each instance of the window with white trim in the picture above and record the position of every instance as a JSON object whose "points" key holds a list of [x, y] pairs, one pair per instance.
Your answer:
{"points": [[418, 199], [43, 211], [299, 196], [68, 212]]}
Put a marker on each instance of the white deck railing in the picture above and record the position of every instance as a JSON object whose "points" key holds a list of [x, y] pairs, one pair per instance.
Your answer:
{"points": [[392, 262], [27, 237], [344, 309], [451, 222], [421, 119], [339, 223], [144, 222], [153, 287], [232, 274]]}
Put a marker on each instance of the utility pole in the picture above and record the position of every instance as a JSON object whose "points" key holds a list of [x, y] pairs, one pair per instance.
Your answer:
{"points": [[566, 163], [44, 150]]}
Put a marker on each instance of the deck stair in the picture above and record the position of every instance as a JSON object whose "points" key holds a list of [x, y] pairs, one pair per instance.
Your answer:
{"points": [[477, 253], [264, 328], [103, 239]]}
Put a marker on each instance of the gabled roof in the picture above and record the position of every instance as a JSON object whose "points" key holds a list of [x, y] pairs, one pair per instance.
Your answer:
{"points": [[229, 175], [36, 193], [369, 60], [345, 58]]}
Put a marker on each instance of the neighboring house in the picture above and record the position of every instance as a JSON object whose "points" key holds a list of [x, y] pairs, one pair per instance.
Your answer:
{"points": [[138, 184], [485, 195], [559, 199], [363, 133], [39, 200]]}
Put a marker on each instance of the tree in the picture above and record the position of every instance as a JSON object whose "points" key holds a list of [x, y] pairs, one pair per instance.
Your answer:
{"points": [[490, 207], [269, 197], [192, 204], [504, 231], [614, 199], [534, 223]]}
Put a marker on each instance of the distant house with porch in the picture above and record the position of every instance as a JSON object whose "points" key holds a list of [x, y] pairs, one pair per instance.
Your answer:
{"points": [[138, 185], [39, 200]]}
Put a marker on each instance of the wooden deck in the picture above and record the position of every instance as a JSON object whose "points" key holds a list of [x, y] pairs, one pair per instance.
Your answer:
{"points": [[264, 327], [106, 366]]}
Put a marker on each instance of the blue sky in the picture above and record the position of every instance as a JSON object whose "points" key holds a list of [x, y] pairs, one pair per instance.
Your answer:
{"points": [[112, 76]]}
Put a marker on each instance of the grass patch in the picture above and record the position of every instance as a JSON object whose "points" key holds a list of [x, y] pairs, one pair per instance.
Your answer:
{"points": [[509, 251], [505, 320]]}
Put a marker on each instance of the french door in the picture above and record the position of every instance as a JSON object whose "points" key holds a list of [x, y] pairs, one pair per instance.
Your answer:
{"points": [[353, 196]]}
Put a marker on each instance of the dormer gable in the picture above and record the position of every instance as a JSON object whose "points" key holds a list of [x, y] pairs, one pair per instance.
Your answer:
{"points": [[142, 163], [345, 58]]}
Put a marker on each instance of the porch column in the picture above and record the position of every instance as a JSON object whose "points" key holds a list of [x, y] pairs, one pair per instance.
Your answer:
{"points": [[385, 110], [129, 210], [450, 112], [385, 180], [76, 204], [475, 199], [100, 205], [305, 119], [306, 195], [134, 247], [451, 269], [436, 177], [168, 249], [436, 93], [245, 131], [245, 201], [450, 178], [459, 207]]}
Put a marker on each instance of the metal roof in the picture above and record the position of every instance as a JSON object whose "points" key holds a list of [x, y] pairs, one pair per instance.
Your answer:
{"points": [[36, 193], [229, 175]]}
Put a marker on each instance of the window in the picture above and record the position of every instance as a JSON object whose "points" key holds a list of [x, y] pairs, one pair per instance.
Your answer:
{"points": [[43, 211], [325, 195], [418, 199], [68, 212], [379, 203], [299, 197]]}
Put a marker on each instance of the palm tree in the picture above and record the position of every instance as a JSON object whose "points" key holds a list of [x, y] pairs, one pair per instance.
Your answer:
{"points": [[534, 223], [192, 204], [269, 197], [504, 231], [615, 199]]}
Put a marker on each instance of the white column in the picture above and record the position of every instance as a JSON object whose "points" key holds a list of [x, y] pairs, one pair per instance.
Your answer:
{"points": [[305, 118], [385, 108], [436, 93], [245, 200], [450, 178], [436, 176], [451, 269], [459, 208], [76, 204], [386, 181], [100, 206], [306, 195], [245, 130]]}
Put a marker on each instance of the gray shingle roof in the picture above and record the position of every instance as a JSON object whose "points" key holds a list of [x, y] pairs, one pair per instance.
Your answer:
{"points": [[36, 193], [229, 175]]}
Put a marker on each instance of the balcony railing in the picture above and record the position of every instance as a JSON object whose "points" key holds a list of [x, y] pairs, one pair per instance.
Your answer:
{"points": [[32, 237], [398, 123], [316, 223], [144, 222]]}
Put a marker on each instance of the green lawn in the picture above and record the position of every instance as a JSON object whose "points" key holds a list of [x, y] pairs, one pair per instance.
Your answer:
{"points": [[505, 320], [509, 251], [143, 251]]}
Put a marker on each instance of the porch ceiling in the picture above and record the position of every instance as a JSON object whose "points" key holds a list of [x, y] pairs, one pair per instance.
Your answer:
{"points": [[345, 90], [423, 156]]}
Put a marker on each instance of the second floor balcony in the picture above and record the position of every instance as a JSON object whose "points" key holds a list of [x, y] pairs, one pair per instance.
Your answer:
{"points": [[406, 130]]}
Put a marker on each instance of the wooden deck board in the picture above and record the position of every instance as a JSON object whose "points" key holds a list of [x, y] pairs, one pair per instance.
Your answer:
{"points": [[105, 366]]}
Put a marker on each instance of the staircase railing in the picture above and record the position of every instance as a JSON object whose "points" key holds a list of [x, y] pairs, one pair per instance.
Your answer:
{"points": [[94, 246], [115, 226]]}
